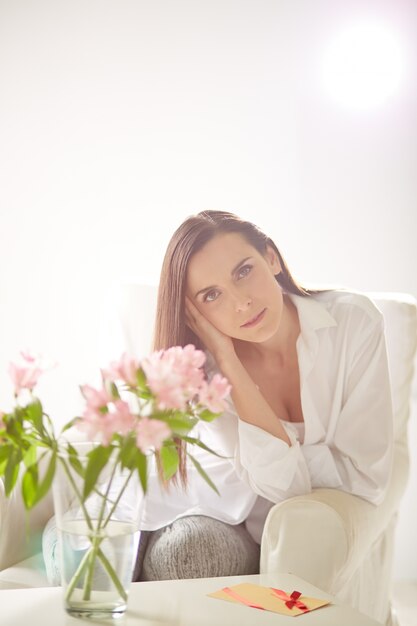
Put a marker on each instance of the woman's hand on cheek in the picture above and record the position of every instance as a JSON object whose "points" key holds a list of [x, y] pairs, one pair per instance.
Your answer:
{"points": [[218, 344]]}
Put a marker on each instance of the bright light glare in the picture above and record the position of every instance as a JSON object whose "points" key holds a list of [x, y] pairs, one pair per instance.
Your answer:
{"points": [[364, 65]]}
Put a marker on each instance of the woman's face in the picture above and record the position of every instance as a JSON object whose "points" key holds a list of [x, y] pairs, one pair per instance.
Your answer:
{"points": [[234, 287]]}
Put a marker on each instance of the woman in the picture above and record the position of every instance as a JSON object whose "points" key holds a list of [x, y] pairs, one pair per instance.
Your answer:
{"points": [[310, 404]]}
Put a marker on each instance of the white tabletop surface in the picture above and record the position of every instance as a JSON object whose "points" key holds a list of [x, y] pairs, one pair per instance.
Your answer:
{"points": [[178, 603]]}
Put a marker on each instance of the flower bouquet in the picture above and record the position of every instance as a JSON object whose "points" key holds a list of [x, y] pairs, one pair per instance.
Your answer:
{"points": [[143, 409]]}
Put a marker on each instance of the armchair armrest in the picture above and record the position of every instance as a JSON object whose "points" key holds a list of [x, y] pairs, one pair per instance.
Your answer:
{"points": [[325, 536], [20, 531]]}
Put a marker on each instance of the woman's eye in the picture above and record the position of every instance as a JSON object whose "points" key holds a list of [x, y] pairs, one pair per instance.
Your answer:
{"points": [[210, 296], [244, 271]]}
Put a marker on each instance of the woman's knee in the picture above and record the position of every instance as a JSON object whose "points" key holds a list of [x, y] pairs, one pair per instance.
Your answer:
{"points": [[197, 547]]}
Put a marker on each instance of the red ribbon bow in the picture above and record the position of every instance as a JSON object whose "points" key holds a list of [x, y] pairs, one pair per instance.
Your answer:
{"points": [[292, 600]]}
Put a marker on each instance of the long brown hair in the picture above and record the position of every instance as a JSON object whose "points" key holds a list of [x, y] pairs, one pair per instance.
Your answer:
{"points": [[192, 235]]}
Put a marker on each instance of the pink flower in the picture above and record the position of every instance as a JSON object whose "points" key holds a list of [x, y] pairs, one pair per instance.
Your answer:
{"points": [[122, 418], [174, 375], [94, 420], [23, 377], [96, 426], [151, 433], [96, 398], [212, 394], [37, 360], [125, 369], [26, 371], [102, 426]]}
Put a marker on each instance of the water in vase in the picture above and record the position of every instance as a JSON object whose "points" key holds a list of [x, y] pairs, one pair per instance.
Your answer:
{"points": [[97, 567]]}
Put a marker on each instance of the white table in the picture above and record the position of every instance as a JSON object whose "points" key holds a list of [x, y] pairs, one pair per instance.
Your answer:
{"points": [[179, 603]]}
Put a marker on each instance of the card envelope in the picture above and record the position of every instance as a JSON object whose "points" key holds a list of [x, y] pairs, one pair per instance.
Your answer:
{"points": [[269, 599]]}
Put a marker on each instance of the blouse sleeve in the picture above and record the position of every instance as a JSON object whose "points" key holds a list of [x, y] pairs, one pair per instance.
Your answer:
{"points": [[358, 450], [272, 468]]}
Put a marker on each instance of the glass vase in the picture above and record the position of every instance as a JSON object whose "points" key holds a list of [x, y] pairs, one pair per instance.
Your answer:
{"points": [[98, 536]]}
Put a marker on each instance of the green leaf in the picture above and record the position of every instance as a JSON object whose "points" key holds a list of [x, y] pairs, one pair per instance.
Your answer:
{"points": [[12, 471], [208, 416], [169, 461], [15, 427], [141, 380], [45, 484], [30, 456], [142, 467], [203, 473], [5, 451], [71, 423], [30, 486], [127, 454], [114, 391], [71, 450], [97, 459], [34, 414], [200, 444], [74, 460], [49, 427], [180, 424]]}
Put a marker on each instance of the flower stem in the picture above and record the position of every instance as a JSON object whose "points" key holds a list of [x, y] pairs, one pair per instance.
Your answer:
{"points": [[84, 562], [105, 499], [87, 561], [112, 574], [118, 498], [96, 540], [77, 575], [96, 537], [77, 493]]}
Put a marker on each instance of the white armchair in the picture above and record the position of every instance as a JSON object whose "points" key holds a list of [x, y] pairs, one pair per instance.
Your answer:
{"points": [[339, 542]]}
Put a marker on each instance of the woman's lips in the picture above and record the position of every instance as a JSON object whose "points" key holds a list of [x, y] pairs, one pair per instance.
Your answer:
{"points": [[255, 320]]}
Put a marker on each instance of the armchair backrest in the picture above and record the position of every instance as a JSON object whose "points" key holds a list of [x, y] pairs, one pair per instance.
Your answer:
{"points": [[400, 317]]}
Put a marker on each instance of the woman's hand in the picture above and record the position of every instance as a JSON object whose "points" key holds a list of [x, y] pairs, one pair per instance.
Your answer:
{"points": [[219, 345]]}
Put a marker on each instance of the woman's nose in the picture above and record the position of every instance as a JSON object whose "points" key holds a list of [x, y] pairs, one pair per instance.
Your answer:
{"points": [[242, 302]]}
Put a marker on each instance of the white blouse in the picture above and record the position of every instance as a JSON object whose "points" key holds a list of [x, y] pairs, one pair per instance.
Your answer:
{"points": [[345, 442]]}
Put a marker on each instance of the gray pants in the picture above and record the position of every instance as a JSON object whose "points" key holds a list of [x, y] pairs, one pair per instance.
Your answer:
{"points": [[196, 547], [192, 547]]}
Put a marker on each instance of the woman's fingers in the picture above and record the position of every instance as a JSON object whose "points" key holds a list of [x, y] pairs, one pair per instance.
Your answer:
{"points": [[213, 339]]}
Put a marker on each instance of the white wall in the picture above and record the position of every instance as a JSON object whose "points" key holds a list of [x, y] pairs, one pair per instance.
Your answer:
{"points": [[118, 119]]}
